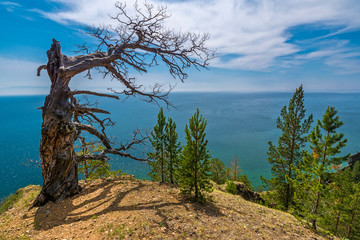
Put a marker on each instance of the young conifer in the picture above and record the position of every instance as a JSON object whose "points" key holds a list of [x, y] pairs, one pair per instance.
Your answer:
{"points": [[157, 139], [173, 149], [326, 146], [288, 153], [194, 171], [219, 172]]}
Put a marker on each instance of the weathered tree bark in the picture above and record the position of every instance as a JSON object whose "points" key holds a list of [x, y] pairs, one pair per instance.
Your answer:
{"points": [[140, 42], [59, 167]]}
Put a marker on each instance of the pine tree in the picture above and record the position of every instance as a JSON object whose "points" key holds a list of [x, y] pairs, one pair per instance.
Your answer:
{"points": [[326, 145], [157, 139], [219, 173], [194, 171], [340, 185], [342, 208], [353, 223], [288, 153], [172, 148]]}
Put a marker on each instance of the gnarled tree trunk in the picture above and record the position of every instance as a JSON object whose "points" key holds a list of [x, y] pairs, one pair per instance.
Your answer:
{"points": [[59, 166]]}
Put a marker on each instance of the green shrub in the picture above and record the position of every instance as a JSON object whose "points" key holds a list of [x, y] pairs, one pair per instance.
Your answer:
{"points": [[230, 187]]}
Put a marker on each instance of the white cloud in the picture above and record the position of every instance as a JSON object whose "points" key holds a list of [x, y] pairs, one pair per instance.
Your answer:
{"points": [[10, 5], [336, 54], [254, 30]]}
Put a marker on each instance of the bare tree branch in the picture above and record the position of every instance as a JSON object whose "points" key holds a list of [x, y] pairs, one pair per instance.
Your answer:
{"points": [[120, 151], [95, 132], [125, 154], [40, 68], [87, 109], [75, 92], [91, 156], [140, 42]]}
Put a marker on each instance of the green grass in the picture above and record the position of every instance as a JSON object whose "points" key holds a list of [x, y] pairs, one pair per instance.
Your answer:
{"points": [[117, 231], [10, 201], [23, 198]]}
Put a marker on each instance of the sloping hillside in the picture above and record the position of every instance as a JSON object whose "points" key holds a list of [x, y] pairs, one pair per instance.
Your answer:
{"points": [[126, 208]]}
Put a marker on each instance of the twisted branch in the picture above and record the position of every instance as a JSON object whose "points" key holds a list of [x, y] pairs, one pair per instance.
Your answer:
{"points": [[90, 129]]}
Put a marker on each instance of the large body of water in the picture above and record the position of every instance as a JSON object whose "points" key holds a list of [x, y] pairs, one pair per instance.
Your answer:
{"points": [[238, 124]]}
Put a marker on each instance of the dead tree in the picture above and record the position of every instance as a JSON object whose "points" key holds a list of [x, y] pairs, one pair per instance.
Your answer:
{"points": [[137, 43]]}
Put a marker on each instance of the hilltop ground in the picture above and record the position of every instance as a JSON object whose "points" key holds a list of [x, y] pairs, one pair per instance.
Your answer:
{"points": [[126, 208]]}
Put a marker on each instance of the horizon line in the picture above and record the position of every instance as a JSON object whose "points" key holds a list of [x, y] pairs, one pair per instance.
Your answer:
{"points": [[195, 92]]}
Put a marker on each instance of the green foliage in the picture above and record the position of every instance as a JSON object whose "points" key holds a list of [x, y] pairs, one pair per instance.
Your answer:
{"points": [[157, 139], [166, 150], [94, 169], [172, 149], [98, 169], [356, 171], [230, 187], [313, 172], [353, 224], [219, 173], [244, 179], [344, 205], [287, 154], [194, 170]]}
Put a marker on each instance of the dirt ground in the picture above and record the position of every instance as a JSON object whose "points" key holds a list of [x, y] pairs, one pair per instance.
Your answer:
{"points": [[126, 208]]}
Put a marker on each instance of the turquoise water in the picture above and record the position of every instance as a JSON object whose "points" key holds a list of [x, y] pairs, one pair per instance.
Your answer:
{"points": [[238, 123]]}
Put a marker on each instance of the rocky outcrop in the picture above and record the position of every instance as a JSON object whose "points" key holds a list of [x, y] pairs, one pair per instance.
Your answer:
{"points": [[353, 159], [245, 192]]}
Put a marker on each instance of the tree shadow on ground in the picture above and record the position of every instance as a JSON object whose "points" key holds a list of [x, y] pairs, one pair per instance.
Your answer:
{"points": [[66, 212], [106, 197], [208, 208]]}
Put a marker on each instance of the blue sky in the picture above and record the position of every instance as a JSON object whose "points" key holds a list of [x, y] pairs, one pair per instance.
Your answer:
{"points": [[262, 45]]}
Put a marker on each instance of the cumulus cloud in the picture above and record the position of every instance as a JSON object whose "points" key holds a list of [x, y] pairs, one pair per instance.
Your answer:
{"points": [[254, 31]]}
